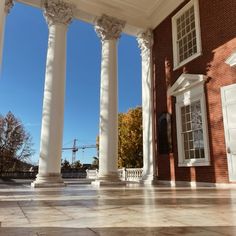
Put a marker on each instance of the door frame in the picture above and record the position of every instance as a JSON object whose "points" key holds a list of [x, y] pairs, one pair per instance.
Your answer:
{"points": [[226, 130]]}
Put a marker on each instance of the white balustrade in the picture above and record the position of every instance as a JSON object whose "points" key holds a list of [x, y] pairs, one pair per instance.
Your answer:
{"points": [[92, 174], [125, 174], [133, 174]]}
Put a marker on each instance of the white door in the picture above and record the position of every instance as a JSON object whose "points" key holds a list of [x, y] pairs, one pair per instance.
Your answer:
{"points": [[228, 96]]}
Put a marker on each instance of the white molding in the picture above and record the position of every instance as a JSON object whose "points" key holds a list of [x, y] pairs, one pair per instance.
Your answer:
{"points": [[178, 64], [138, 16], [186, 82], [231, 60], [163, 10]]}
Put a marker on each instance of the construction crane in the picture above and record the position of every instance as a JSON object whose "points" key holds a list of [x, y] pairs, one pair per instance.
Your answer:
{"points": [[76, 148]]}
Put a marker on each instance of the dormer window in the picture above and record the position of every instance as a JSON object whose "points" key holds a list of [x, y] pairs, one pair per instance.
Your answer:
{"points": [[191, 120], [186, 34]]}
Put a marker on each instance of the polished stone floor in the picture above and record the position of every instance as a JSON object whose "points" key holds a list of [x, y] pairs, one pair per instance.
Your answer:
{"points": [[82, 209]]}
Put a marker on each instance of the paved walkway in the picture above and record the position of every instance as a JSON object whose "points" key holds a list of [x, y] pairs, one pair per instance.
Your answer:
{"points": [[87, 210]]}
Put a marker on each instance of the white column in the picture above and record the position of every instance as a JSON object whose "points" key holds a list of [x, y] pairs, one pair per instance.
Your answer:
{"points": [[145, 41], [109, 30], [58, 15], [5, 7]]}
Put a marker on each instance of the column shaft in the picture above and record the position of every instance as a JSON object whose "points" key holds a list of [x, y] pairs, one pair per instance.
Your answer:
{"points": [[53, 104], [149, 167], [109, 30], [58, 15], [148, 160], [108, 135], [53, 109]]}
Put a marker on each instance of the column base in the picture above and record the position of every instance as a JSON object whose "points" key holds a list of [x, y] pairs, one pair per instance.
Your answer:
{"points": [[100, 183], [48, 180], [149, 180], [109, 180]]}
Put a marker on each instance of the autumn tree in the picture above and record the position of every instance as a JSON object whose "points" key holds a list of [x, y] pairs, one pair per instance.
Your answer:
{"points": [[130, 136], [15, 142], [130, 147]]}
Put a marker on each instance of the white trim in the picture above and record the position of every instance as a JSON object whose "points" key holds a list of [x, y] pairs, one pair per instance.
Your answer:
{"points": [[228, 100], [163, 10], [137, 19], [231, 60], [186, 82], [178, 64], [190, 88], [194, 56]]}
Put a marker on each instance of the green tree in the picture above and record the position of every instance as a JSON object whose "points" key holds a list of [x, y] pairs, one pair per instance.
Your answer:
{"points": [[95, 163], [65, 165], [15, 142], [76, 165], [130, 147]]}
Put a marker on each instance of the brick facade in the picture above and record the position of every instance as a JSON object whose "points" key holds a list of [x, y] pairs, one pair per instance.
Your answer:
{"points": [[218, 35]]}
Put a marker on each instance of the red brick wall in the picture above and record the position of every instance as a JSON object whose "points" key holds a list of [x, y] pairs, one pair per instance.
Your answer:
{"points": [[218, 35]]}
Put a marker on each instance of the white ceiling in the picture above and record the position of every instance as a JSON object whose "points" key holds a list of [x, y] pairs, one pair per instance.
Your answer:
{"points": [[138, 14]]}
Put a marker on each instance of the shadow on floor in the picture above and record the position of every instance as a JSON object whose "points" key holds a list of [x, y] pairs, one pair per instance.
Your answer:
{"points": [[125, 231], [10, 181]]}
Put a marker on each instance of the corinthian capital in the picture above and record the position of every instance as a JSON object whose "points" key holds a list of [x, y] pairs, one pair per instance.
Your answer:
{"points": [[108, 27], [57, 12], [8, 5], [145, 42]]}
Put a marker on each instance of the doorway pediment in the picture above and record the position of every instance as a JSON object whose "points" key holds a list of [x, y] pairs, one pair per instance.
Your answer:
{"points": [[186, 82]]}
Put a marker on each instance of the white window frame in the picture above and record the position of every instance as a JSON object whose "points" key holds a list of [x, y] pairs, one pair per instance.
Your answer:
{"points": [[231, 61], [188, 89], [178, 64]]}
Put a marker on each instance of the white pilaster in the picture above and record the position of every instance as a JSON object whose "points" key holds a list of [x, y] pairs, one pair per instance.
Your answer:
{"points": [[58, 15], [5, 7], [145, 41], [109, 30]]}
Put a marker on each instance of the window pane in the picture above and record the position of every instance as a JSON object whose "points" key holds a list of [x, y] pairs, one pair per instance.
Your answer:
{"points": [[192, 156], [202, 153], [186, 31], [197, 154]]}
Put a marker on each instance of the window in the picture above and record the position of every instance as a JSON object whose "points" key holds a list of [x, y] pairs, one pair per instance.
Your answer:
{"points": [[186, 34], [191, 120], [192, 132]]}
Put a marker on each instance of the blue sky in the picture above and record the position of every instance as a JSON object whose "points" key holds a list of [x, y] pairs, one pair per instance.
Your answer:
{"points": [[23, 70]]}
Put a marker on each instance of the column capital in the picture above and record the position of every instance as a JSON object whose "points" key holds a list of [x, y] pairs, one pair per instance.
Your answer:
{"points": [[145, 42], [8, 5], [108, 28], [57, 12]]}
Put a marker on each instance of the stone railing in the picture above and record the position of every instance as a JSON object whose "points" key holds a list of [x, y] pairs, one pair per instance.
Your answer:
{"points": [[32, 174], [125, 174], [74, 174], [18, 175], [92, 174], [132, 174]]}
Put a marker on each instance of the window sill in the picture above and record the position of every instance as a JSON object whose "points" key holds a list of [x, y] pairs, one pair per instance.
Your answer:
{"points": [[198, 54], [194, 163]]}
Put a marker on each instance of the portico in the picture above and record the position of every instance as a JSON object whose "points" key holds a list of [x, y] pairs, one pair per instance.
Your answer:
{"points": [[109, 24]]}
